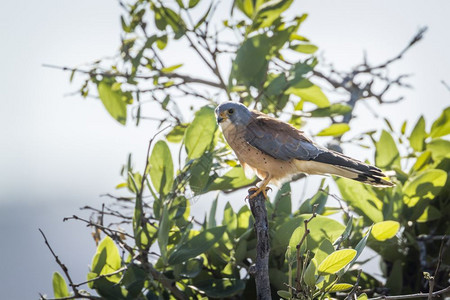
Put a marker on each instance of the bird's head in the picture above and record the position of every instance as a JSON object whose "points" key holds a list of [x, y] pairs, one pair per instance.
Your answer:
{"points": [[233, 112]]}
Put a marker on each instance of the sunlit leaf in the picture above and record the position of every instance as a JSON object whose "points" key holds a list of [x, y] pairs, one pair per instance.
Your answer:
{"points": [[335, 109], [382, 231], [305, 48], [113, 101], [320, 227], [336, 129], [59, 286], [336, 261], [439, 149], [310, 92], [269, 11], [171, 68], [418, 135], [177, 133], [429, 214], [200, 134], [340, 287], [361, 198], [387, 155], [161, 168], [426, 184], [107, 260], [233, 179], [441, 126]]}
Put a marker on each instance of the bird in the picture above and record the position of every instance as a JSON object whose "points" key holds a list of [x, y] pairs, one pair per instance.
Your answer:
{"points": [[276, 151]]}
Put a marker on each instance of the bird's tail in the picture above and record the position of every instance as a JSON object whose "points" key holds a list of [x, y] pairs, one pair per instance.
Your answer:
{"points": [[338, 164]]}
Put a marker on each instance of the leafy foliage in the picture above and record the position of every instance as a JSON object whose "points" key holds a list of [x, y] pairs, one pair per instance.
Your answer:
{"points": [[169, 253]]}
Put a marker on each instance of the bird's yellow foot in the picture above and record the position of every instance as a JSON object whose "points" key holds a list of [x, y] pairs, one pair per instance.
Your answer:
{"points": [[255, 191]]}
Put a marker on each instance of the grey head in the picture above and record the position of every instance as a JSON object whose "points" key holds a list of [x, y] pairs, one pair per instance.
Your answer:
{"points": [[237, 113]]}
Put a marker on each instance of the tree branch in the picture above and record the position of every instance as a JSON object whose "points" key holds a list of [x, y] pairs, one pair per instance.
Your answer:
{"points": [[172, 75], [410, 296], [261, 267]]}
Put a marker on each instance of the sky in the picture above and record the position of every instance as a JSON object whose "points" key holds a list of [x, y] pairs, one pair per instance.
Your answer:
{"points": [[59, 153]]}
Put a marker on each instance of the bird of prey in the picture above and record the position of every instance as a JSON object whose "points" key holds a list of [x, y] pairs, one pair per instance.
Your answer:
{"points": [[276, 151]]}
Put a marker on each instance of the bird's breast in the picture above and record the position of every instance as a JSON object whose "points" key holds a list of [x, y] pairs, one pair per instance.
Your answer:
{"points": [[262, 163]]}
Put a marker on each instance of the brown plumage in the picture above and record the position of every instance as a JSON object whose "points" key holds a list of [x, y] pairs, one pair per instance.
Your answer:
{"points": [[276, 151]]}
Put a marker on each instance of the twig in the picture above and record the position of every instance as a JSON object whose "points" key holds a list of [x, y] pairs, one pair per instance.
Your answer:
{"points": [[261, 271], [352, 294], [299, 245], [76, 292], [172, 75], [410, 296], [432, 279]]}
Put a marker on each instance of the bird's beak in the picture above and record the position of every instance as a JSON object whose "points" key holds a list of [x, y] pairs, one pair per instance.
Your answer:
{"points": [[222, 117]]}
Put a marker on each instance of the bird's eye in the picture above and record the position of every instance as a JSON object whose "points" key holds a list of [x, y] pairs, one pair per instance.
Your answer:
{"points": [[231, 111]]}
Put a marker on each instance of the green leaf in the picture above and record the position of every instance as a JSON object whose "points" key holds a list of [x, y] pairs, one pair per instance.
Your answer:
{"points": [[193, 3], [284, 294], [161, 168], [250, 65], [171, 68], [385, 230], [229, 220], [199, 135], [163, 234], [387, 155], [134, 279], [320, 227], [282, 203], [340, 287], [212, 214], [418, 135], [429, 214], [336, 129], [233, 179], [439, 149], [200, 173], [362, 244], [309, 92], [196, 245], [422, 161], [426, 184], [268, 12], [395, 280], [113, 100], [336, 261], [106, 260], [305, 48], [177, 133], [362, 199], [441, 126], [220, 288], [310, 273], [335, 109], [243, 220], [325, 249], [60, 289], [191, 268], [363, 296]]}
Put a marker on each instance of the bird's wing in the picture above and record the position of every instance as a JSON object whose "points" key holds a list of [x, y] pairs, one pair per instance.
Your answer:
{"points": [[279, 139]]}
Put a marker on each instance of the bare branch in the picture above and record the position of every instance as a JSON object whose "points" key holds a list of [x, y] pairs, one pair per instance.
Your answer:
{"points": [[261, 267], [411, 296]]}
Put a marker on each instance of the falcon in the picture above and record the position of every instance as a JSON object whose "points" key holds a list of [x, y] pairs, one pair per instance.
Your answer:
{"points": [[275, 150]]}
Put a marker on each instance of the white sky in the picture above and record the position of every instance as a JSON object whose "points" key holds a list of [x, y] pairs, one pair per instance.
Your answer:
{"points": [[59, 153]]}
